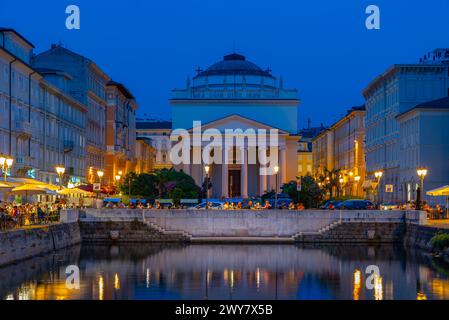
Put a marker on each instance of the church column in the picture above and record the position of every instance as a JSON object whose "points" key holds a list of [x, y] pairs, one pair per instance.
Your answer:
{"points": [[224, 173], [282, 166], [244, 173], [262, 182]]}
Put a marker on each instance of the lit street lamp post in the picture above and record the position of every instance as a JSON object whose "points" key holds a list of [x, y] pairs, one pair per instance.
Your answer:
{"points": [[100, 174], [60, 170], [378, 175], [206, 169], [276, 171], [5, 164], [422, 172]]}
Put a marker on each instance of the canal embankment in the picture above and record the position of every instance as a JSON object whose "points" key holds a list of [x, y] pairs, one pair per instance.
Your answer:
{"points": [[20, 244], [246, 226]]}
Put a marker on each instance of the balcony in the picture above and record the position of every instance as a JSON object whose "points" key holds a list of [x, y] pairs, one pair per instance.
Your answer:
{"points": [[68, 145], [115, 149], [23, 162], [24, 129]]}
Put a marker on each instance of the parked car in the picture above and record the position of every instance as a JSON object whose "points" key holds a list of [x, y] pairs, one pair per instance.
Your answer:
{"points": [[283, 200], [355, 205], [329, 205], [212, 206], [389, 206]]}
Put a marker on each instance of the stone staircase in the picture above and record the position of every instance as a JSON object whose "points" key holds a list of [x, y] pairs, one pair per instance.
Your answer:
{"points": [[320, 232], [158, 228]]}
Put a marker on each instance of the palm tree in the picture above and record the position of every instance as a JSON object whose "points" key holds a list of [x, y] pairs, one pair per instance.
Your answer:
{"points": [[332, 180]]}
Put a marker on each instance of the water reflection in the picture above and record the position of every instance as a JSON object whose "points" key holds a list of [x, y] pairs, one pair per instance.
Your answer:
{"points": [[229, 272]]}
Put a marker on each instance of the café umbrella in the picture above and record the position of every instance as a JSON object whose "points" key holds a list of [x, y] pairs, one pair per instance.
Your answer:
{"points": [[32, 189], [441, 192], [75, 191]]}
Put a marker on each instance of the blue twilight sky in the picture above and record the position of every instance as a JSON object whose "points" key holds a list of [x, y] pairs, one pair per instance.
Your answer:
{"points": [[322, 48]]}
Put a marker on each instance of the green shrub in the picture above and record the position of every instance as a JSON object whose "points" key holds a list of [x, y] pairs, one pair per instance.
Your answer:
{"points": [[440, 241]]}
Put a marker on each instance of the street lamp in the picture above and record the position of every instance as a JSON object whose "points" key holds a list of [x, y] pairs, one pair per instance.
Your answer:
{"points": [[100, 174], [206, 169], [117, 179], [60, 170], [5, 164], [422, 172], [378, 175], [276, 171]]}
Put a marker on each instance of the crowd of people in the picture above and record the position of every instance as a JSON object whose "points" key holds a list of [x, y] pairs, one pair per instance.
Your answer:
{"points": [[15, 215], [225, 205]]}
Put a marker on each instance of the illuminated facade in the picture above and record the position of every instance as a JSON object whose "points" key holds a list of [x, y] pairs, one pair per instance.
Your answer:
{"points": [[398, 89], [424, 143], [88, 86], [41, 125], [342, 147], [120, 154], [158, 133], [145, 156], [235, 93]]}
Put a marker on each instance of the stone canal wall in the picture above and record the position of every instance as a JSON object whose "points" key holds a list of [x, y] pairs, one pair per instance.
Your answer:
{"points": [[126, 231], [420, 235], [356, 232], [125, 225], [21, 244]]}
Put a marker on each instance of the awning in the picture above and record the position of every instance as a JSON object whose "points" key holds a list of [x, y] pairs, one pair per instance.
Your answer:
{"points": [[367, 184], [441, 191], [75, 191]]}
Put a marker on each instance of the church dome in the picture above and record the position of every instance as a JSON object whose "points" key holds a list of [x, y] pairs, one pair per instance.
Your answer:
{"points": [[234, 64]]}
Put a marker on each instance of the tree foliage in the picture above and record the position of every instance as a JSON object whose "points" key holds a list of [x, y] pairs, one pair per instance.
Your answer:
{"points": [[164, 183], [310, 194]]}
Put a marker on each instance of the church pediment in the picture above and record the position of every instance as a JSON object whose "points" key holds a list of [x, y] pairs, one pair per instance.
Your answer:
{"points": [[237, 122]]}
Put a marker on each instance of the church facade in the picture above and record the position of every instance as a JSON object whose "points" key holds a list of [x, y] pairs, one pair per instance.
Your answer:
{"points": [[238, 97]]}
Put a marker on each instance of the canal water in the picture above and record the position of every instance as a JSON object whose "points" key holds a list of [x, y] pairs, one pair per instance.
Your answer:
{"points": [[148, 271]]}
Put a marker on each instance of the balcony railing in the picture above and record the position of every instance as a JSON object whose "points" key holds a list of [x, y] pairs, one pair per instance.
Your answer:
{"points": [[24, 129], [23, 162], [234, 94], [68, 145]]}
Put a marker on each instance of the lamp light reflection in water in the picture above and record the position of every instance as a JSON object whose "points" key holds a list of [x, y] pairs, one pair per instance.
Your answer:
{"points": [[421, 296], [258, 278], [357, 284], [148, 278], [116, 282], [100, 288], [378, 288]]}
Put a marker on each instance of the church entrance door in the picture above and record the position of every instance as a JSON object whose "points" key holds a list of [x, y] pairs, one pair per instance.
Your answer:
{"points": [[234, 183]]}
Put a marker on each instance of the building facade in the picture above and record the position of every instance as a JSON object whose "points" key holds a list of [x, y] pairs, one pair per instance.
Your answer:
{"points": [[120, 127], [342, 147], [88, 86], [424, 143], [235, 94], [145, 156], [305, 151], [41, 126], [398, 89], [158, 133]]}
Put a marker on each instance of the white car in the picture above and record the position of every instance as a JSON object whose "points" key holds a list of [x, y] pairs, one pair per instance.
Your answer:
{"points": [[212, 206]]}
